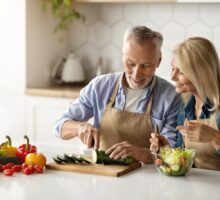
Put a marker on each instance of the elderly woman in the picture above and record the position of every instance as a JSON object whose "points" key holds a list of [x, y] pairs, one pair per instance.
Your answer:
{"points": [[196, 72]]}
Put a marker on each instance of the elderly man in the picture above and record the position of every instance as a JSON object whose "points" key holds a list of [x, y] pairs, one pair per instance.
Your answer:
{"points": [[125, 105]]}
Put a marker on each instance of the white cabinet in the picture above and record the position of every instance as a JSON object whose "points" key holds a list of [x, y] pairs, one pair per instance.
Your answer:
{"points": [[12, 117]]}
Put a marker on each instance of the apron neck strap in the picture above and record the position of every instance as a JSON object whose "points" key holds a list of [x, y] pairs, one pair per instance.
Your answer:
{"points": [[150, 102], [114, 93]]}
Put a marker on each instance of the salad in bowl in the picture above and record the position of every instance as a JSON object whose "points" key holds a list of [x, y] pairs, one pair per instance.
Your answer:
{"points": [[174, 161]]}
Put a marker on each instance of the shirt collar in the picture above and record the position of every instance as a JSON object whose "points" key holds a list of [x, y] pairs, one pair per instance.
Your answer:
{"points": [[148, 89], [190, 108]]}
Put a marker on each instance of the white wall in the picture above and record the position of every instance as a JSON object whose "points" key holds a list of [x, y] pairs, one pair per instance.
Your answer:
{"points": [[102, 33], [12, 45], [44, 47], [12, 68]]}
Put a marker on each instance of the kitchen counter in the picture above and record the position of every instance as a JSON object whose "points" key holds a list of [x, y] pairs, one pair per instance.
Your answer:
{"points": [[64, 92], [142, 184]]}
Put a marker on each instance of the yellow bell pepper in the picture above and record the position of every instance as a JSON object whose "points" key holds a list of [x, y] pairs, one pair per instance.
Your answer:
{"points": [[7, 146]]}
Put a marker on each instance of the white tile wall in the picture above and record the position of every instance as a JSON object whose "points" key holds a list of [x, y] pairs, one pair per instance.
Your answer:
{"points": [[102, 33]]}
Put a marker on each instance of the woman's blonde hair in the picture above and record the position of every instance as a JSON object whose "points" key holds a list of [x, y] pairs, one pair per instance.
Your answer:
{"points": [[198, 59]]}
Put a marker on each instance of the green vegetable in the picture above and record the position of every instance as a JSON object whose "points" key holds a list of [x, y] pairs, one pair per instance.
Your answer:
{"points": [[57, 160], [10, 159], [103, 158], [72, 158], [2, 152]]}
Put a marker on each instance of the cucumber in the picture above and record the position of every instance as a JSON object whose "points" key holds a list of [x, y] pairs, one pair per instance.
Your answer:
{"points": [[69, 158], [10, 159], [175, 167], [74, 156], [103, 158], [62, 159], [84, 160], [57, 160]]}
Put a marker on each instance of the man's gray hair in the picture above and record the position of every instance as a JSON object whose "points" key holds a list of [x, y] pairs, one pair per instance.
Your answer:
{"points": [[142, 34]]}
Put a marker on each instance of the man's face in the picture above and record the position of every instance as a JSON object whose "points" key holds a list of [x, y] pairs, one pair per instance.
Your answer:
{"points": [[140, 63]]}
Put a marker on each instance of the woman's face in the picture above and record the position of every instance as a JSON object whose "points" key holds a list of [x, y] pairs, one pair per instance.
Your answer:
{"points": [[182, 83]]}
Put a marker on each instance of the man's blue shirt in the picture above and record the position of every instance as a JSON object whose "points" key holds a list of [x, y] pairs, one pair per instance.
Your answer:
{"points": [[95, 96]]}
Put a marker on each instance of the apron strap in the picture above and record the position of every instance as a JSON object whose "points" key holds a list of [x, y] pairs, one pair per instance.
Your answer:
{"points": [[149, 105], [150, 102], [114, 93]]}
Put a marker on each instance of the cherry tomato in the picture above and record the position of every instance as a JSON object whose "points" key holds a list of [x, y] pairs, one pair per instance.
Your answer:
{"points": [[8, 172], [158, 162], [1, 168], [16, 168], [38, 169], [24, 166], [36, 158], [28, 170], [8, 166]]}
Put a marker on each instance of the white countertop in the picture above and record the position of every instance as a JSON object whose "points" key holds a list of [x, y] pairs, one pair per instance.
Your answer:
{"points": [[142, 184]]}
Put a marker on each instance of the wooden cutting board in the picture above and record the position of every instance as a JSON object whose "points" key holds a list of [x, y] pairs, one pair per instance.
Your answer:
{"points": [[107, 170]]}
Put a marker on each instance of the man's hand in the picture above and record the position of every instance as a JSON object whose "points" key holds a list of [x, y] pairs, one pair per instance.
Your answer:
{"points": [[157, 141], [125, 149], [89, 135]]}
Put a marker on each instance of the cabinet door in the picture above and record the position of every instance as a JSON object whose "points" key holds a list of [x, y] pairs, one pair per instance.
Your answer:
{"points": [[42, 115], [12, 117]]}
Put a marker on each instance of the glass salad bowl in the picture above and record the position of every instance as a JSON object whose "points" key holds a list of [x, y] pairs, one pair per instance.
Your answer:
{"points": [[174, 161]]}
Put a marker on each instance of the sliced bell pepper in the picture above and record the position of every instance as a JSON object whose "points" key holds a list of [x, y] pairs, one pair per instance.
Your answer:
{"points": [[25, 149], [7, 146]]}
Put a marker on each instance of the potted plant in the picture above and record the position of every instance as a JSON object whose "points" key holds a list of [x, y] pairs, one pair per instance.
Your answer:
{"points": [[65, 11]]}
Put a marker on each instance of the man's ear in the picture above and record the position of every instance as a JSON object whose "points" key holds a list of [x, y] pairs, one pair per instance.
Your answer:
{"points": [[159, 61]]}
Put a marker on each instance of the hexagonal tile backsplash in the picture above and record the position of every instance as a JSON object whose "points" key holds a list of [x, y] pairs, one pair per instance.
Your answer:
{"points": [[102, 34]]}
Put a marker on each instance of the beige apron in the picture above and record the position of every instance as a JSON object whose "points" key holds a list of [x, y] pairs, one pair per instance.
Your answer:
{"points": [[206, 155], [118, 126]]}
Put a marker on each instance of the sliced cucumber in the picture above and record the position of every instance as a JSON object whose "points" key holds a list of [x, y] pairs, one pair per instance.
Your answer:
{"points": [[84, 160], [74, 156], [61, 158], [69, 158], [175, 167], [57, 160]]}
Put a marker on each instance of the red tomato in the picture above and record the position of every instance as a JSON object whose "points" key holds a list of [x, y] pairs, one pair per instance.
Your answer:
{"points": [[38, 169], [8, 172], [158, 162], [24, 166], [28, 170], [1, 168], [16, 168], [8, 166]]}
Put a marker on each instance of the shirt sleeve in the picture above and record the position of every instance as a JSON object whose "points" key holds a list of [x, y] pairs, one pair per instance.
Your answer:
{"points": [[180, 121], [80, 109], [170, 121]]}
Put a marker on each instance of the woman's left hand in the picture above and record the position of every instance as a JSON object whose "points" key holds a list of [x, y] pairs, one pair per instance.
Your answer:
{"points": [[125, 149], [197, 132]]}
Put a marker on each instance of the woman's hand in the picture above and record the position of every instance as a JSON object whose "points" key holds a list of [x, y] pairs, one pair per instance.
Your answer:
{"points": [[125, 149], [197, 132], [89, 135], [157, 141]]}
